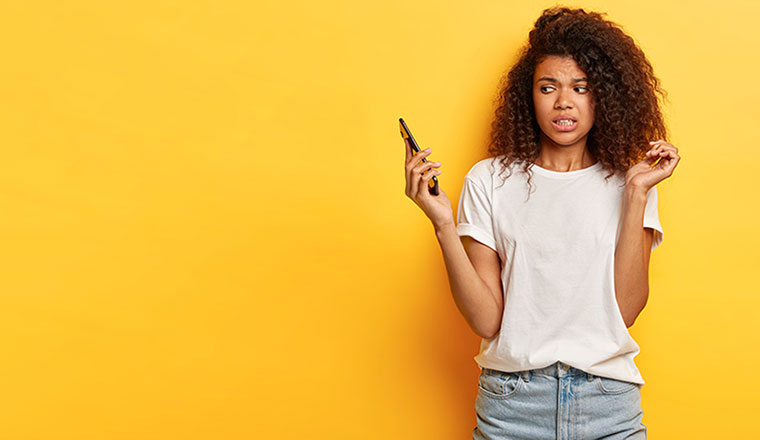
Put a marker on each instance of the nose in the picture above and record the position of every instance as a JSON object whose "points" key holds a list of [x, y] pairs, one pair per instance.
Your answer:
{"points": [[563, 100]]}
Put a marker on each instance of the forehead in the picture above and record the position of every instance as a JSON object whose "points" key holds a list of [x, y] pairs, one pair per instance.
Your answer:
{"points": [[558, 67]]}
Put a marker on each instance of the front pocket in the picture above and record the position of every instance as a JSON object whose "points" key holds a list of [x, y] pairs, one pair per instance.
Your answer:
{"points": [[499, 384], [609, 385]]}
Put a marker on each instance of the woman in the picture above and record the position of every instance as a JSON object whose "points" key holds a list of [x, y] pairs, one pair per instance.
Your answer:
{"points": [[556, 232]]}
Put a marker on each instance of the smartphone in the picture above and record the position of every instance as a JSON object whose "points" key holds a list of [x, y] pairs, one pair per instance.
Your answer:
{"points": [[406, 134]]}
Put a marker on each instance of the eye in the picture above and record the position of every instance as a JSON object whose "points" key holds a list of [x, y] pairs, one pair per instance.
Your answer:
{"points": [[545, 87], [583, 89]]}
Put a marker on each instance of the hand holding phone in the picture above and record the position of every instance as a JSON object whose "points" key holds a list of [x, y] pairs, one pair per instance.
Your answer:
{"points": [[434, 202], [407, 135]]}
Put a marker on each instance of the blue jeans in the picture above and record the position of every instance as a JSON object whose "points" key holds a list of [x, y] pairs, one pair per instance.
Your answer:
{"points": [[558, 402]]}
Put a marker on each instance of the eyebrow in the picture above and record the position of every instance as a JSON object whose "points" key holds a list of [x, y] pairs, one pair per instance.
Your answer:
{"points": [[548, 78]]}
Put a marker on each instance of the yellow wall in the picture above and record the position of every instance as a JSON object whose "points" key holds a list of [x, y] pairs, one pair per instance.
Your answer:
{"points": [[205, 233]]}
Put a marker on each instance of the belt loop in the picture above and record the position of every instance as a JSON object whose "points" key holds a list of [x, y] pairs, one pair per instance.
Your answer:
{"points": [[589, 376], [526, 375]]}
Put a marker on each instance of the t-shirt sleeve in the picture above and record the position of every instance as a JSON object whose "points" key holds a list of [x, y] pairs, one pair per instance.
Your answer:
{"points": [[474, 213], [652, 218]]}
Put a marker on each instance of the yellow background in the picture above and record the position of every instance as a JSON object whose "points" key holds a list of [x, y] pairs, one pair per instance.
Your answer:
{"points": [[205, 234]]}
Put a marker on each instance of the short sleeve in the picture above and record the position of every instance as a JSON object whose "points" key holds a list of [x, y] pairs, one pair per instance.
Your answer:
{"points": [[474, 213], [652, 218]]}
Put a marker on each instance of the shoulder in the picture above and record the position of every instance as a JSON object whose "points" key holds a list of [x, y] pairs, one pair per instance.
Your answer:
{"points": [[484, 170], [611, 178], [492, 171]]}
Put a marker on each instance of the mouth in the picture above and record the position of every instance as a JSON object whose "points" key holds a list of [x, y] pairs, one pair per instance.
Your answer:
{"points": [[564, 124]]}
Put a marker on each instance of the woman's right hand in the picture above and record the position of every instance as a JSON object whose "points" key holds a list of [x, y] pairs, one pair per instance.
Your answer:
{"points": [[418, 173]]}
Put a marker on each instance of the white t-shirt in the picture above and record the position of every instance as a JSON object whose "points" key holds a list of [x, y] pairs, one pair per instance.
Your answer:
{"points": [[557, 251]]}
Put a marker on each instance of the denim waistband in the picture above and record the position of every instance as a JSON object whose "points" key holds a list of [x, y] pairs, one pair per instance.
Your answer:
{"points": [[557, 369]]}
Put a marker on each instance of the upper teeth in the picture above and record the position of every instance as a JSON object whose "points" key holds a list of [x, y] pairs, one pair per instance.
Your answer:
{"points": [[565, 121]]}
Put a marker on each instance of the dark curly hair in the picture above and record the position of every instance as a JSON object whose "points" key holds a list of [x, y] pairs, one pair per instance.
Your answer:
{"points": [[621, 82]]}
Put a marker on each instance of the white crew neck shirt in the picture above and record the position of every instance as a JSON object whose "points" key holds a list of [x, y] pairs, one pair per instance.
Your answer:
{"points": [[557, 252]]}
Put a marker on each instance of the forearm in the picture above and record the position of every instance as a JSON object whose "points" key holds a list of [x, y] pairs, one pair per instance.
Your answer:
{"points": [[631, 257], [481, 307]]}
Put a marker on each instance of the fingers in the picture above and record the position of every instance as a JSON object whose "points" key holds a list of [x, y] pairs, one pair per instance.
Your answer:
{"points": [[422, 188], [665, 151], [669, 161], [413, 162], [416, 174], [659, 148], [421, 174], [424, 166], [414, 158], [661, 145]]}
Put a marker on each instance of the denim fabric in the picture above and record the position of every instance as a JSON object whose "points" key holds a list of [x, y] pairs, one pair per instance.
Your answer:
{"points": [[558, 402]]}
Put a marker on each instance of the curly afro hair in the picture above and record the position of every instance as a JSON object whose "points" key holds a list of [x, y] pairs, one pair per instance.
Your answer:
{"points": [[620, 79]]}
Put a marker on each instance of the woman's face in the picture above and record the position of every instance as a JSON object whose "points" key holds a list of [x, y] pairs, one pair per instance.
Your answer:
{"points": [[559, 92]]}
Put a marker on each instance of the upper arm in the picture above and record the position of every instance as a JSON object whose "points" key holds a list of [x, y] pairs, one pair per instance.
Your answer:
{"points": [[487, 264]]}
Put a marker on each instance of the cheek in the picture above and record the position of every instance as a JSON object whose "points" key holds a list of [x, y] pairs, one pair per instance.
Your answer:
{"points": [[590, 112], [540, 106]]}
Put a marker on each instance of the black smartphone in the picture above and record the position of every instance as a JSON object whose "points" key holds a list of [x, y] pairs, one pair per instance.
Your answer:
{"points": [[406, 134]]}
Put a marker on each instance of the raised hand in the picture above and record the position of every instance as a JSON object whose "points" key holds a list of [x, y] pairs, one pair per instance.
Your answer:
{"points": [[418, 173], [644, 176]]}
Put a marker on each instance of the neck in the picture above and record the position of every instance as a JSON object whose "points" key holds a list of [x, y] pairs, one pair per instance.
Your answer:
{"points": [[564, 158]]}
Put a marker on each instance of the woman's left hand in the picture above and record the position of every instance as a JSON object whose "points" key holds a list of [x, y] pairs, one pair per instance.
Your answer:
{"points": [[644, 176]]}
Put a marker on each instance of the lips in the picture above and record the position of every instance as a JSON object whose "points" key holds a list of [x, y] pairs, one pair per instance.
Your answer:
{"points": [[565, 127], [560, 117]]}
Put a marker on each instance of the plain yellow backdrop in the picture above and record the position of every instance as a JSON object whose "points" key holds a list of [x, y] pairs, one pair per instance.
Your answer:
{"points": [[205, 234]]}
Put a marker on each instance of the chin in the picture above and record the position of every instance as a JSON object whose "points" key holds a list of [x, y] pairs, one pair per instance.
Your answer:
{"points": [[565, 142]]}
